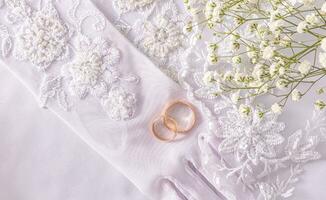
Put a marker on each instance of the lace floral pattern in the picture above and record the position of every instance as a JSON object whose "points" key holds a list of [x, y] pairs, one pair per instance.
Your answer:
{"points": [[43, 38], [119, 104], [158, 32], [250, 137], [161, 37], [91, 66], [123, 6], [248, 148]]}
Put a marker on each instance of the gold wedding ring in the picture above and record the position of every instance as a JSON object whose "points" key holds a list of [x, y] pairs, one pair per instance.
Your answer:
{"points": [[171, 123]]}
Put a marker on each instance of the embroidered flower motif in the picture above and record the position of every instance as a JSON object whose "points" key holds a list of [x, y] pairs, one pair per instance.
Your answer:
{"points": [[19, 10], [161, 37], [93, 71], [250, 137], [42, 38], [124, 6], [91, 67], [119, 104]]}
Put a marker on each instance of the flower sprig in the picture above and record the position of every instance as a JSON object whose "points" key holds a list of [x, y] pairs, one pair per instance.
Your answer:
{"points": [[269, 47]]}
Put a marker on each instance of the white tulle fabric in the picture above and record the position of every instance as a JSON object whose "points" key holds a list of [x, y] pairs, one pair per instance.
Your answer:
{"points": [[42, 158]]}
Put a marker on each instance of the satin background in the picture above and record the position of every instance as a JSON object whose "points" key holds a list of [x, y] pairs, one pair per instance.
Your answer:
{"points": [[41, 158]]}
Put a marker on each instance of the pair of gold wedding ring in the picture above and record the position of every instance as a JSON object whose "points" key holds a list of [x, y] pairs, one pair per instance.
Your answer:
{"points": [[171, 123]]}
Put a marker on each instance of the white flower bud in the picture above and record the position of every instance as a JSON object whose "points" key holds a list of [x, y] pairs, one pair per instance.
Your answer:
{"points": [[296, 95], [235, 97], [312, 19], [320, 105], [323, 44], [268, 52], [210, 77], [302, 27], [304, 67], [323, 9], [244, 110], [276, 108], [322, 59], [236, 59]]}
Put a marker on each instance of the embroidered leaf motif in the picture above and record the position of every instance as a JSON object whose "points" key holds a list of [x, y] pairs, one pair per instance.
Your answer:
{"points": [[274, 139], [3, 31], [207, 92], [228, 145], [131, 78], [62, 100], [48, 89], [6, 46]]}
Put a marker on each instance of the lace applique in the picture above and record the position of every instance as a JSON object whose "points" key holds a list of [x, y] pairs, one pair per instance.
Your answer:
{"points": [[43, 38], [158, 32], [19, 10], [5, 41], [119, 104], [93, 71], [254, 151], [250, 138], [91, 65], [124, 6]]}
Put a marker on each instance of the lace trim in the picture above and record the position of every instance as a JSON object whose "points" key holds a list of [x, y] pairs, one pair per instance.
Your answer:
{"points": [[43, 39], [158, 31]]}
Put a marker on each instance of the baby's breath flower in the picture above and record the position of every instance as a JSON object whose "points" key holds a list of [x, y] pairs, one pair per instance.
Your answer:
{"points": [[244, 110], [323, 44], [323, 9], [281, 71], [228, 76], [296, 95], [212, 47], [263, 89], [320, 105], [320, 91], [212, 58], [210, 77], [236, 59], [276, 25], [304, 67], [235, 46], [235, 97], [258, 71], [239, 77], [276, 108], [253, 1], [312, 19], [322, 59], [252, 27], [268, 52], [302, 27], [285, 41], [307, 2], [273, 69], [281, 84], [188, 27]]}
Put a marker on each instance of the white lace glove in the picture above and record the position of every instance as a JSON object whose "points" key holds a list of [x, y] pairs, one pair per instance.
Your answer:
{"points": [[81, 68]]}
